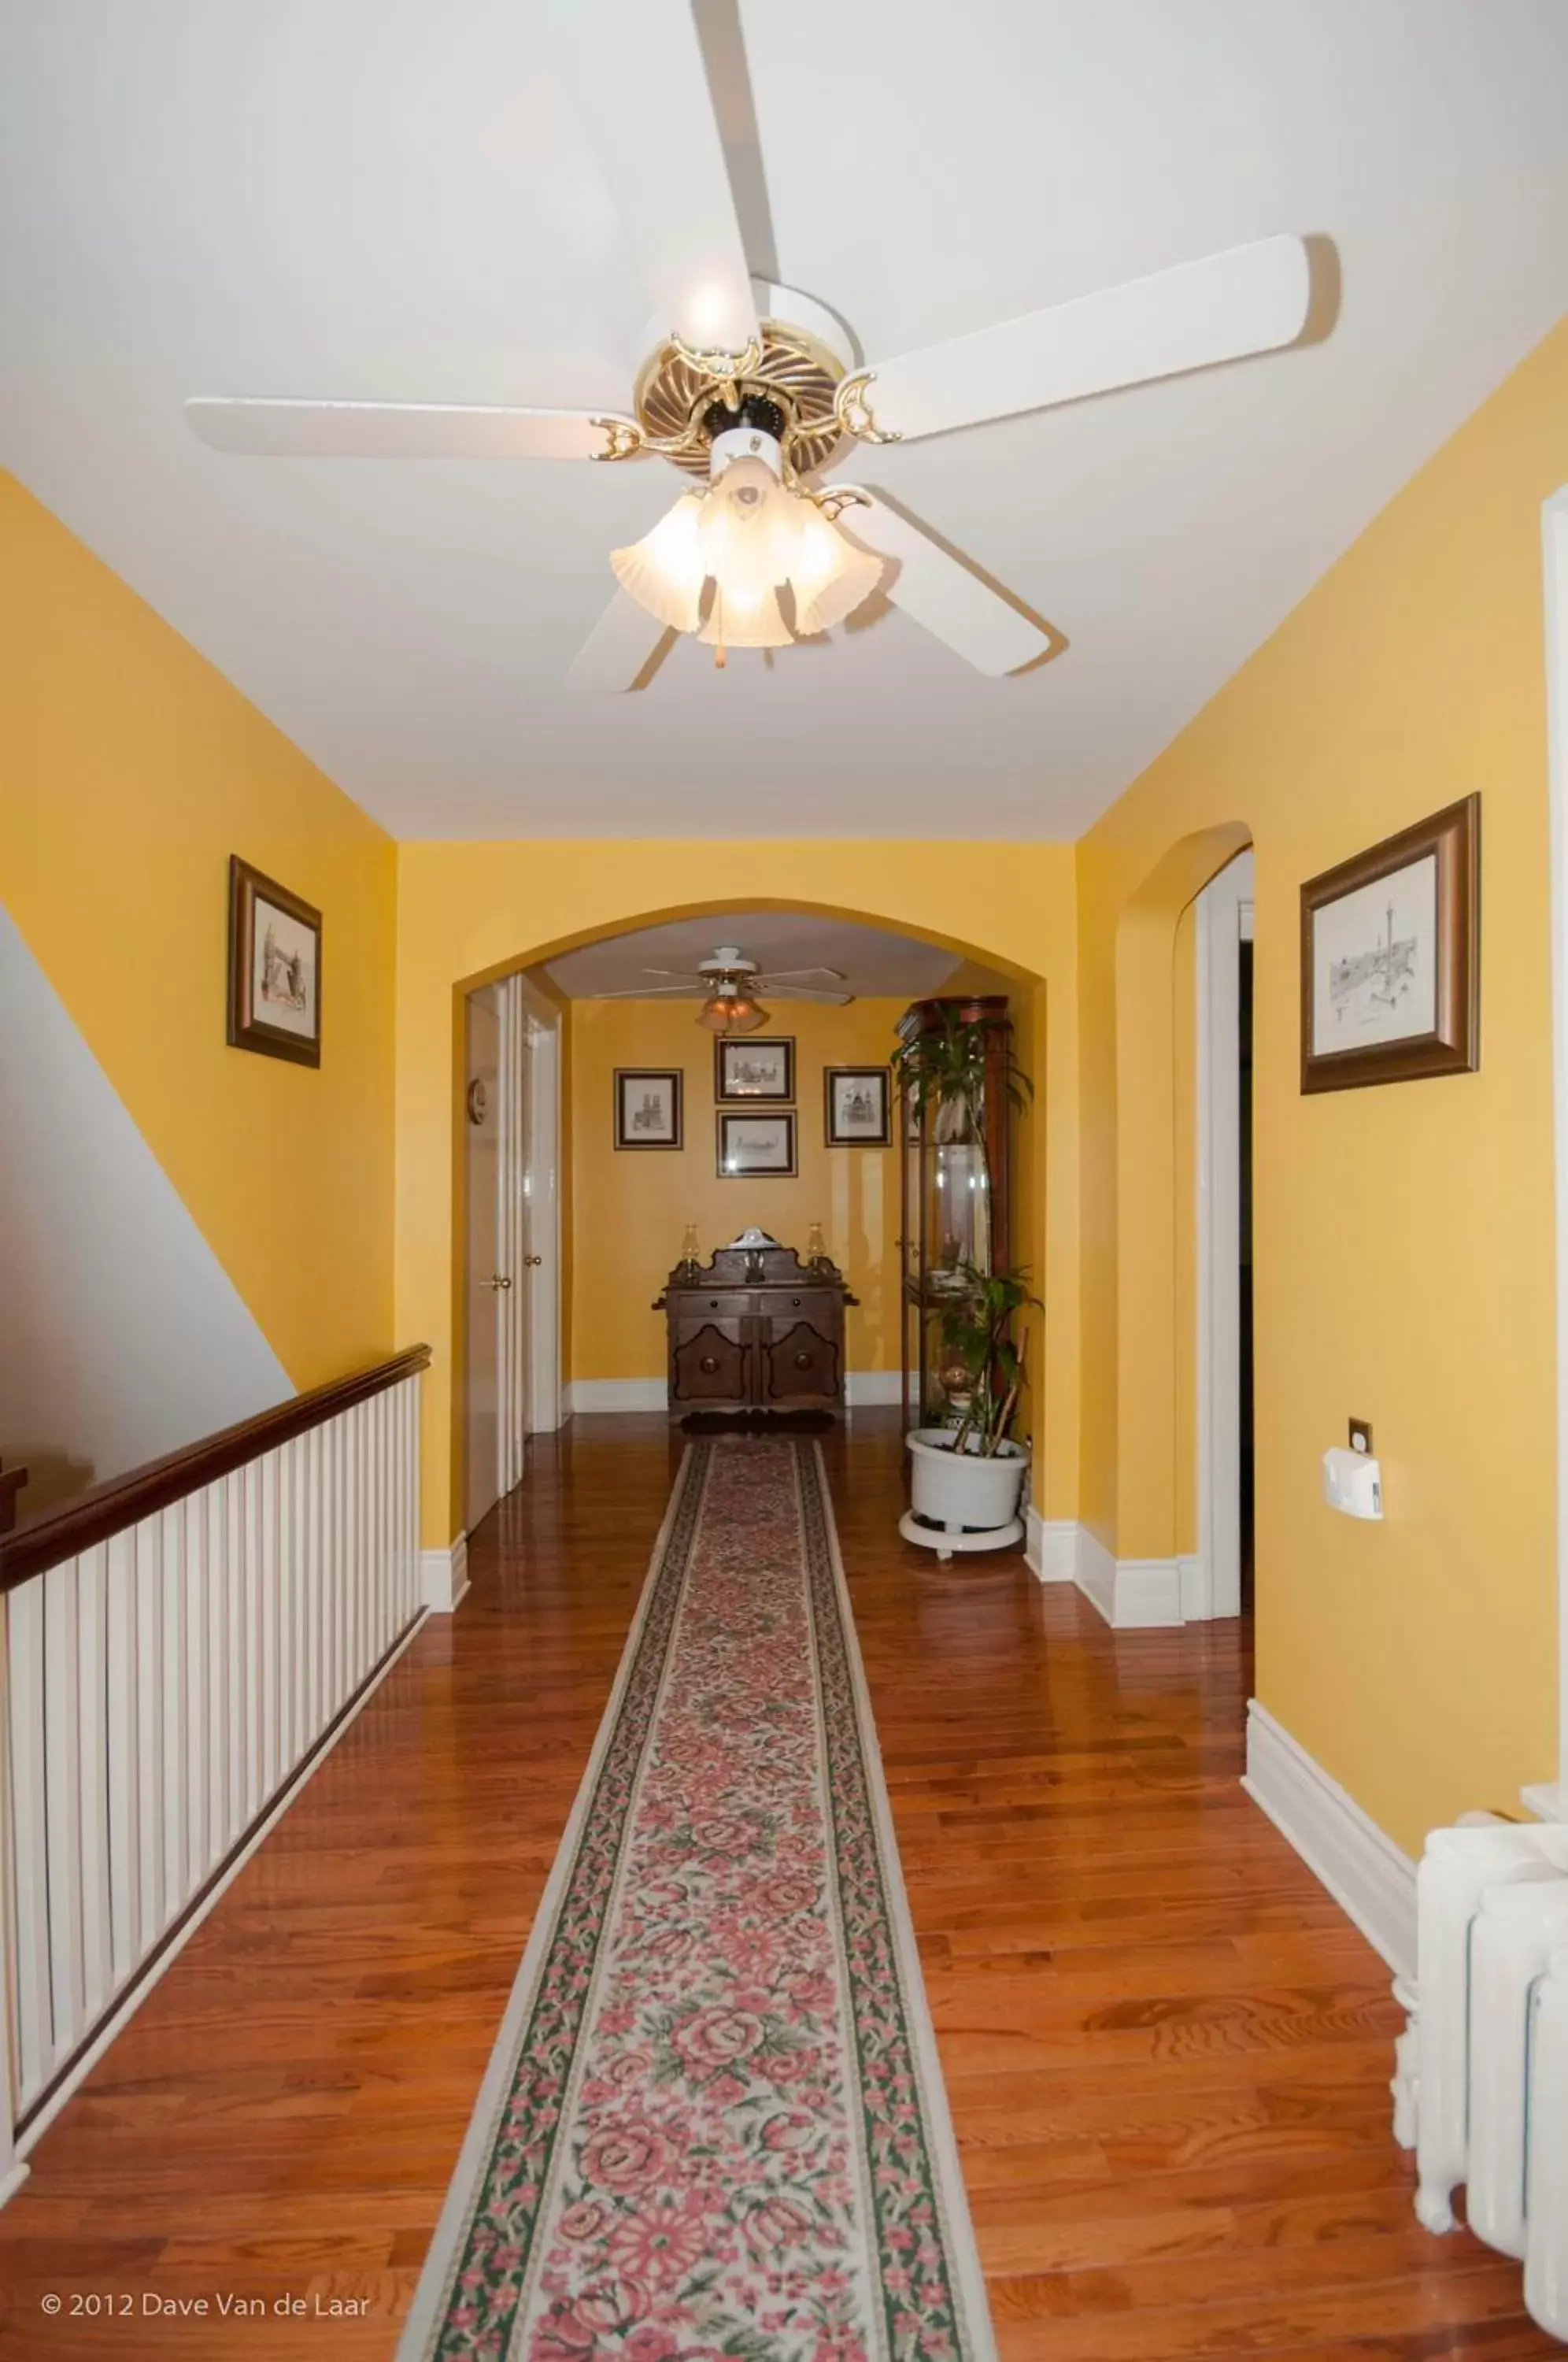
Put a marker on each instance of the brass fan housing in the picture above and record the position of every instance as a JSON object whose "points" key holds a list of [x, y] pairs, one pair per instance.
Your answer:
{"points": [[796, 371]]}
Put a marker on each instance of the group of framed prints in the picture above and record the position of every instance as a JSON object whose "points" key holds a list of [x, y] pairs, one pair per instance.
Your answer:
{"points": [[754, 1120]]}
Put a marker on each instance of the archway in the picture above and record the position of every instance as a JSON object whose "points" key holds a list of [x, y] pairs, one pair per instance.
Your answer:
{"points": [[469, 914]]}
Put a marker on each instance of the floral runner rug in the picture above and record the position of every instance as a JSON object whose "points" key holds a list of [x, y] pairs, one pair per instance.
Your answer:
{"points": [[713, 2124]]}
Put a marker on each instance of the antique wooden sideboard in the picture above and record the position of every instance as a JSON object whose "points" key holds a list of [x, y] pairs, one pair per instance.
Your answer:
{"points": [[755, 1330]]}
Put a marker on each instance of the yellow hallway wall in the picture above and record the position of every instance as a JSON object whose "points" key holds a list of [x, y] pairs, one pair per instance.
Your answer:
{"points": [[132, 770], [1404, 1235], [630, 1207], [466, 911]]}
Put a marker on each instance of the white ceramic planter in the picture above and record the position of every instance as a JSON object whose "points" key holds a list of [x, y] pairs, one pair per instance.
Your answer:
{"points": [[965, 1500]]}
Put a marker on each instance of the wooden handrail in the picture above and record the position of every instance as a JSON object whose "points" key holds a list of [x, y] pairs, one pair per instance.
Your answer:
{"points": [[42, 1542]]}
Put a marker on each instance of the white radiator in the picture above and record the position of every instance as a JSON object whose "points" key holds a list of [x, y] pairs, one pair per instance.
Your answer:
{"points": [[1482, 2091]]}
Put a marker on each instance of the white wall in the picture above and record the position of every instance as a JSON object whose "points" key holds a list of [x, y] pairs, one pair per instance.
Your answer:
{"points": [[121, 1336]]}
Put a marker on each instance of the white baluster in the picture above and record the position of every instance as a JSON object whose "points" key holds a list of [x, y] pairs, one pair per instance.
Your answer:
{"points": [[92, 1656], [62, 1752], [35, 2014], [124, 1826], [176, 1816]]}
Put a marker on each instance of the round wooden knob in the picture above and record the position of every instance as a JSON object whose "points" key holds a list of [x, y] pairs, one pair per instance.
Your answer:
{"points": [[708, 1365], [803, 1359]]}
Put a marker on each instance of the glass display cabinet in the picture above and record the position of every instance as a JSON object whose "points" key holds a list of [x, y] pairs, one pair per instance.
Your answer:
{"points": [[955, 1200]]}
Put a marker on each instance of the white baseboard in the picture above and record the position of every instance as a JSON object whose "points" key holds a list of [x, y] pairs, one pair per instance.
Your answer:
{"points": [[443, 1576], [1050, 1545], [1129, 1593], [587, 1396], [1196, 1589], [1370, 1880]]}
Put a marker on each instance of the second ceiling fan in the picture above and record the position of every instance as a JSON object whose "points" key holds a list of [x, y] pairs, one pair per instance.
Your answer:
{"points": [[751, 389]]}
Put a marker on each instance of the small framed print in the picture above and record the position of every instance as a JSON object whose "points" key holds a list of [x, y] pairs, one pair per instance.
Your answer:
{"points": [[1391, 958], [748, 1068], [648, 1107], [751, 1146], [274, 968], [860, 1104]]}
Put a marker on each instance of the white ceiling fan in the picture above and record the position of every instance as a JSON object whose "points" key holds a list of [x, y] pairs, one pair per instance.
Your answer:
{"points": [[728, 985], [753, 389]]}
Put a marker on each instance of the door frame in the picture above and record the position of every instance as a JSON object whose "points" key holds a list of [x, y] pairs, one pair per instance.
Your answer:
{"points": [[1223, 916], [1552, 1802], [530, 1216]]}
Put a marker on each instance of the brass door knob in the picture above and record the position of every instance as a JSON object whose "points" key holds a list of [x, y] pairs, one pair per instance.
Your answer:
{"points": [[534, 1261], [497, 1280]]}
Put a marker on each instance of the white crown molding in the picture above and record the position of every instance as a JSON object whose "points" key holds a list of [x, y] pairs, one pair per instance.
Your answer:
{"points": [[1370, 1880], [443, 1576]]}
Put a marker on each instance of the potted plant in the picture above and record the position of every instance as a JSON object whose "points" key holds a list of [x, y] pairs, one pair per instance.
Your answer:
{"points": [[967, 1477]]}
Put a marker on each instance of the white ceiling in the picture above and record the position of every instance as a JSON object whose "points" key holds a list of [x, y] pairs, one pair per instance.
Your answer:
{"points": [[370, 199], [870, 960]]}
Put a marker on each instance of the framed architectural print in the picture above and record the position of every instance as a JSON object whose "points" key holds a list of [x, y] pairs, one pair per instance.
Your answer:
{"points": [[751, 1146], [648, 1107], [748, 1069], [859, 1106], [1391, 958], [274, 968]]}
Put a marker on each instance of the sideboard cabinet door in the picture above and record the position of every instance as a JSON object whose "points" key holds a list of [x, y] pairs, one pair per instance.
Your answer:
{"points": [[710, 1361]]}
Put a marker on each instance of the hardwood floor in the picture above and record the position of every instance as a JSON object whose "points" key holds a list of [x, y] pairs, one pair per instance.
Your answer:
{"points": [[1167, 2052]]}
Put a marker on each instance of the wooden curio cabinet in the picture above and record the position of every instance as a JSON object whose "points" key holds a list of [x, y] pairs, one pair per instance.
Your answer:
{"points": [[955, 1202]]}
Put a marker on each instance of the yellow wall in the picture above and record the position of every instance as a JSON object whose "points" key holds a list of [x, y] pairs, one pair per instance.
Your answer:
{"points": [[1404, 1235], [131, 771], [630, 1207], [467, 911]]}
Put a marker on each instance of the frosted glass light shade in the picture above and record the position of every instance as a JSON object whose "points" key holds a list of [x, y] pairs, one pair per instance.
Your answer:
{"points": [[739, 619], [749, 529], [832, 576], [665, 571]]}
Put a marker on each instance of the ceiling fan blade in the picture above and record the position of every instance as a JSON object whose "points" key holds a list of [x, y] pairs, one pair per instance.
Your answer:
{"points": [[652, 992], [393, 430], [1250, 299], [677, 975], [795, 975], [940, 590], [640, 86], [800, 992], [623, 650]]}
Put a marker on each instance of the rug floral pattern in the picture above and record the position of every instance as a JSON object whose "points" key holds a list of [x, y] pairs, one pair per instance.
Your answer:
{"points": [[713, 2140]]}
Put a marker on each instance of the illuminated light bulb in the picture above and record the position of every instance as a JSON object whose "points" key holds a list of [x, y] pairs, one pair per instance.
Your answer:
{"points": [[832, 574], [742, 618], [732, 1012], [750, 528], [665, 571]]}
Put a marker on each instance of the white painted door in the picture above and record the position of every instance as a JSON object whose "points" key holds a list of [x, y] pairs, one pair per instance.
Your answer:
{"points": [[488, 1279]]}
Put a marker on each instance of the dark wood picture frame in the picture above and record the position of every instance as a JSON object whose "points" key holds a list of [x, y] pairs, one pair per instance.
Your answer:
{"points": [[676, 1078], [1451, 838], [246, 1031], [883, 1077], [727, 1096], [724, 1117]]}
